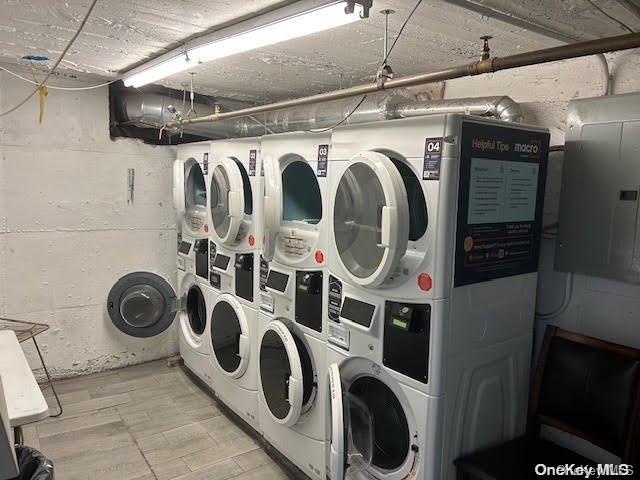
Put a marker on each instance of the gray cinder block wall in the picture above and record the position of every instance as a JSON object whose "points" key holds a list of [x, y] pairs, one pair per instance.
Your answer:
{"points": [[67, 231]]}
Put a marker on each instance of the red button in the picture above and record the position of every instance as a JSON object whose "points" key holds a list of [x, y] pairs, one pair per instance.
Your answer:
{"points": [[206, 228], [424, 282], [319, 256], [252, 240]]}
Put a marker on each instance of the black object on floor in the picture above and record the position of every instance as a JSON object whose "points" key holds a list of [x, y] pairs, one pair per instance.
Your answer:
{"points": [[33, 465]]}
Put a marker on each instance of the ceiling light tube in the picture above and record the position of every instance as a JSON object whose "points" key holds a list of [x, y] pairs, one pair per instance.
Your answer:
{"points": [[288, 28]]}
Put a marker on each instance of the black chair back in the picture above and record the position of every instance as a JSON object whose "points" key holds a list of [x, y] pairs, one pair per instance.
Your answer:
{"points": [[589, 388]]}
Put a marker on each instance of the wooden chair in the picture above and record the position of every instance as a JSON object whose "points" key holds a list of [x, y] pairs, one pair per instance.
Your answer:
{"points": [[586, 387]]}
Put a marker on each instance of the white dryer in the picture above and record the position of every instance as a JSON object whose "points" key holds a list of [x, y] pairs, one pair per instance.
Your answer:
{"points": [[235, 214], [190, 189], [235, 198], [292, 319], [190, 202], [434, 239]]}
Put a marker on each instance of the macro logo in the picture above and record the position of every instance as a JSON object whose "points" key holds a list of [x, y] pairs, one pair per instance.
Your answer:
{"points": [[533, 149]]}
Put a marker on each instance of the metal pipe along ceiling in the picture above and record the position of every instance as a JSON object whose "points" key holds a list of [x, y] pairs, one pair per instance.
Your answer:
{"points": [[147, 111], [575, 50]]}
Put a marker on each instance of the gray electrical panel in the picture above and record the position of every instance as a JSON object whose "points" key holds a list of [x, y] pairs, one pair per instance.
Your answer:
{"points": [[599, 230]]}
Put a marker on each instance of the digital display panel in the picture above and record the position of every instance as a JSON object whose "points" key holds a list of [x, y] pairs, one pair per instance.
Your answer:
{"points": [[221, 262], [184, 248], [278, 281], [400, 323], [357, 311]]}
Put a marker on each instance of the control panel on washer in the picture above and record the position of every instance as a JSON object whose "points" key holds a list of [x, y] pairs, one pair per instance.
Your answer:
{"points": [[219, 277]]}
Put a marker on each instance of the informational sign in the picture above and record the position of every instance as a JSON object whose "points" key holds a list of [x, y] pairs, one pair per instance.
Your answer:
{"points": [[264, 273], [335, 298], [205, 163], [432, 159], [253, 158], [502, 179], [502, 191], [323, 159]]}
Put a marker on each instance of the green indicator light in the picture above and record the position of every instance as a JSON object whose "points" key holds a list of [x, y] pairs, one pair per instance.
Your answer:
{"points": [[399, 323]]}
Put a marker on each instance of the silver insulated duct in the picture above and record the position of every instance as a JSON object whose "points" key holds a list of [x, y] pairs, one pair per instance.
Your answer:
{"points": [[153, 111]]}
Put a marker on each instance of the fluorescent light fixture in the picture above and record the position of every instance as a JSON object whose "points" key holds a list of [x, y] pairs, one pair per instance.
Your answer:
{"points": [[295, 26]]}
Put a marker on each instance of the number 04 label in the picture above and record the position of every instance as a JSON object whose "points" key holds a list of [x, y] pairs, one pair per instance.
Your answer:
{"points": [[432, 157]]}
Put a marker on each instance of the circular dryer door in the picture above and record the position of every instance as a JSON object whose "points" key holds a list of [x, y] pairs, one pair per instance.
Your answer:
{"points": [[370, 218], [195, 197], [230, 336], [272, 206], [286, 373], [142, 304], [351, 438], [196, 309], [226, 197]]}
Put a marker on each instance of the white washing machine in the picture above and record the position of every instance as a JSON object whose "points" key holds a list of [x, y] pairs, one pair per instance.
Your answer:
{"points": [[434, 240], [194, 336], [292, 319], [235, 198], [190, 201]]}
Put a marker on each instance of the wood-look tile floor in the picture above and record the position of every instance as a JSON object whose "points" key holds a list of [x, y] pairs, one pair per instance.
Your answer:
{"points": [[147, 422]]}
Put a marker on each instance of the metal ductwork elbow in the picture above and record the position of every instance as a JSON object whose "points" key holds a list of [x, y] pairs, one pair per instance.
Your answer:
{"points": [[508, 110], [501, 108]]}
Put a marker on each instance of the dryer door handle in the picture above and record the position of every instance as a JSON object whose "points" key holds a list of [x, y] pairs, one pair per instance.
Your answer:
{"points": [[235, 204], [295, 392], [244, 347], [388, 225]]}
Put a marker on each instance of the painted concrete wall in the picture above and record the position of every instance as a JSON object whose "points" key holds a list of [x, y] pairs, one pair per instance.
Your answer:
{"points": [[67, 232], [599, 307]]}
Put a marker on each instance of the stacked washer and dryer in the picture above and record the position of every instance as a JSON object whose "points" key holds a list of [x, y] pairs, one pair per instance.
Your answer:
{"points": [[292, 347], [364, 299], [235, 215], [435, 224], [190, 198]]}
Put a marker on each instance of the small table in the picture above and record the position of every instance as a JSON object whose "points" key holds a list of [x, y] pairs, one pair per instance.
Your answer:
{"points": [[25, 401]]}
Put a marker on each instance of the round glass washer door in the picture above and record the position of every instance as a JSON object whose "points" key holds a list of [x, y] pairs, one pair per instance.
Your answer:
{"points": [[370, 218], [351, 438], [369, 425], [196, 307], [286, 374], [226, 201], [230, 336], [142, 304]]}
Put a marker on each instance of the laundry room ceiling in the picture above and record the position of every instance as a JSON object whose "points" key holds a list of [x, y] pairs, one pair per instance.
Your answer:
{"points": [[123, 33]]}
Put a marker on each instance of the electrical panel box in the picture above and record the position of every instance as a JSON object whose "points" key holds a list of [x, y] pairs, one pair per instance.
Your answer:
{"points": [[599, 226]]}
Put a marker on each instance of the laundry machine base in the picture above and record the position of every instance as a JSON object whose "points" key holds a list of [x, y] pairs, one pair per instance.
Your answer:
{"points": [[308, 454], [198, 363], [242, 402]]}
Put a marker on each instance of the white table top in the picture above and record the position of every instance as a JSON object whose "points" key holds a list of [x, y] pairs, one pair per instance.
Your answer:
{"points": [[25, 402]]}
